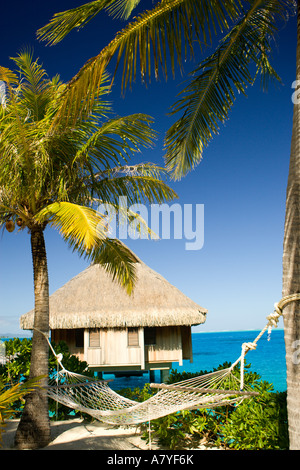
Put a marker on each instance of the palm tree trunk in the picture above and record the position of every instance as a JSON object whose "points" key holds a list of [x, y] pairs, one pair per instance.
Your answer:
{"points": [[34, 428], [291, 269]]}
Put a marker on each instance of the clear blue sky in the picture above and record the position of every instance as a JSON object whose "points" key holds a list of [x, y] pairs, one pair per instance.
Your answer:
{"points": [[241, 182]]}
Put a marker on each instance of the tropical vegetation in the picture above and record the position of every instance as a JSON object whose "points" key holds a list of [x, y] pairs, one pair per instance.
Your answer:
{"points": [[10, 395], [152, 42], [16, 370], [255, 424], [258, 423], [55, 174]]}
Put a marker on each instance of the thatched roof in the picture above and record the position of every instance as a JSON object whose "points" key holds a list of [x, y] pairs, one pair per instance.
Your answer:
{"points": [[92, 299]]}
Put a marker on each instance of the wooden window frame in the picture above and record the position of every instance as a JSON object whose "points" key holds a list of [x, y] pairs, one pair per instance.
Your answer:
{"points": [[92, 344], [133, 341]]}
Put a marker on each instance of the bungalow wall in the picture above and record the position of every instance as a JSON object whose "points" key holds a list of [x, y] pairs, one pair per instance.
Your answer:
{"points": [[166, 347], [113, 347], [131, 348], [74, 339]]}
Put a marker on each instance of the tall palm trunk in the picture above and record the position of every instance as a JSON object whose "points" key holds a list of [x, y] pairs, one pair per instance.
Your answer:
{"points": [[34, 428], [291, 269]]}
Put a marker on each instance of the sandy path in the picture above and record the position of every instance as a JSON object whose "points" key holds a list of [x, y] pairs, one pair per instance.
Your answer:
{"points": [[76, 434]]}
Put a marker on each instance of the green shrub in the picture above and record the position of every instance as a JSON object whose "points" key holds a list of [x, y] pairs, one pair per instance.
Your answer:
{"points": [[137, 394], [18, 352], [256, 423], [259, 423], [17, 369]]}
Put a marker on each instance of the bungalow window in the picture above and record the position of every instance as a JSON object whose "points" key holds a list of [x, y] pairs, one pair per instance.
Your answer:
{"points": [[79, 343], [94, 338], [133, 337], [150, 336]]}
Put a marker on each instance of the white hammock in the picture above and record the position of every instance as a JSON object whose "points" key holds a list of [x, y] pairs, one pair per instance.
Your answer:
{"points": [[97, 399]]}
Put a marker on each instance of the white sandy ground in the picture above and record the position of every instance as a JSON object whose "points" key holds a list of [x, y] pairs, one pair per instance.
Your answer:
{"points": [[76, 434]]}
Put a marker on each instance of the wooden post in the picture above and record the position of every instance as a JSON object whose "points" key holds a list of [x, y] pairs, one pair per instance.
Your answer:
{"points": [[164, 375]]}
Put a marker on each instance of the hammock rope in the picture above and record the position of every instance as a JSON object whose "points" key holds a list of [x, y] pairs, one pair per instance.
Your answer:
{"points": [[218, 388]]}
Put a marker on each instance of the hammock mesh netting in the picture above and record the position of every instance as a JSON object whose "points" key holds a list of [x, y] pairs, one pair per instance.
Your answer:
{"points": [[98, 400]]}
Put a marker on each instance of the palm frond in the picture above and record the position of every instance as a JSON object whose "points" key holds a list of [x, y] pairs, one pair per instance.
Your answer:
{"points": [[8, 77], [117, 139], [122, 8], [64, 22], [137, 189], [79, 225], [208, 98], [118, 260], [48, 173], [31, 70], [8, 396], [168, 30], [35, 89], [85, 231]]}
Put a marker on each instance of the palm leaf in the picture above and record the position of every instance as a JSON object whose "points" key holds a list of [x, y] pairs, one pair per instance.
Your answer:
{"points": [[167, 27], [8, 396], [118, 260], [117, 137], [7, 76], [36, 92], [64, 22], [208, 98], [79, 225], [122, 8], [85, 231], [48, 173], [137, 189]]}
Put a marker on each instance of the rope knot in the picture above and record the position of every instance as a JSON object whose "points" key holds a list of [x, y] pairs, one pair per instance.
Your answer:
{"points": [[247, 346], [273, 318], [59, 357]]}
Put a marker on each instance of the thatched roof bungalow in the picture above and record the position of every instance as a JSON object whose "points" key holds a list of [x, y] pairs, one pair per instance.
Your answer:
{"points": [[113, 331]]}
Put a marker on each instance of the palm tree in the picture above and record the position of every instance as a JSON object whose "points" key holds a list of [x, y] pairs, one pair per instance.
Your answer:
{"points": [[55, 175], [170, 29]]}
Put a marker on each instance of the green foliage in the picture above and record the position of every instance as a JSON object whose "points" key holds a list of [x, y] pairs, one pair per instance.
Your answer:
{"points": [[176, 376], [256, 423], [162, 36], [159, 37], [137, 394], [17, 369], [188, 428], [57, 173], [70, 361], [18, 352]]}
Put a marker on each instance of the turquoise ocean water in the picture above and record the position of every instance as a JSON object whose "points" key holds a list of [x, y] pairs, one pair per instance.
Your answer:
{"points": [[212, 349]]}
